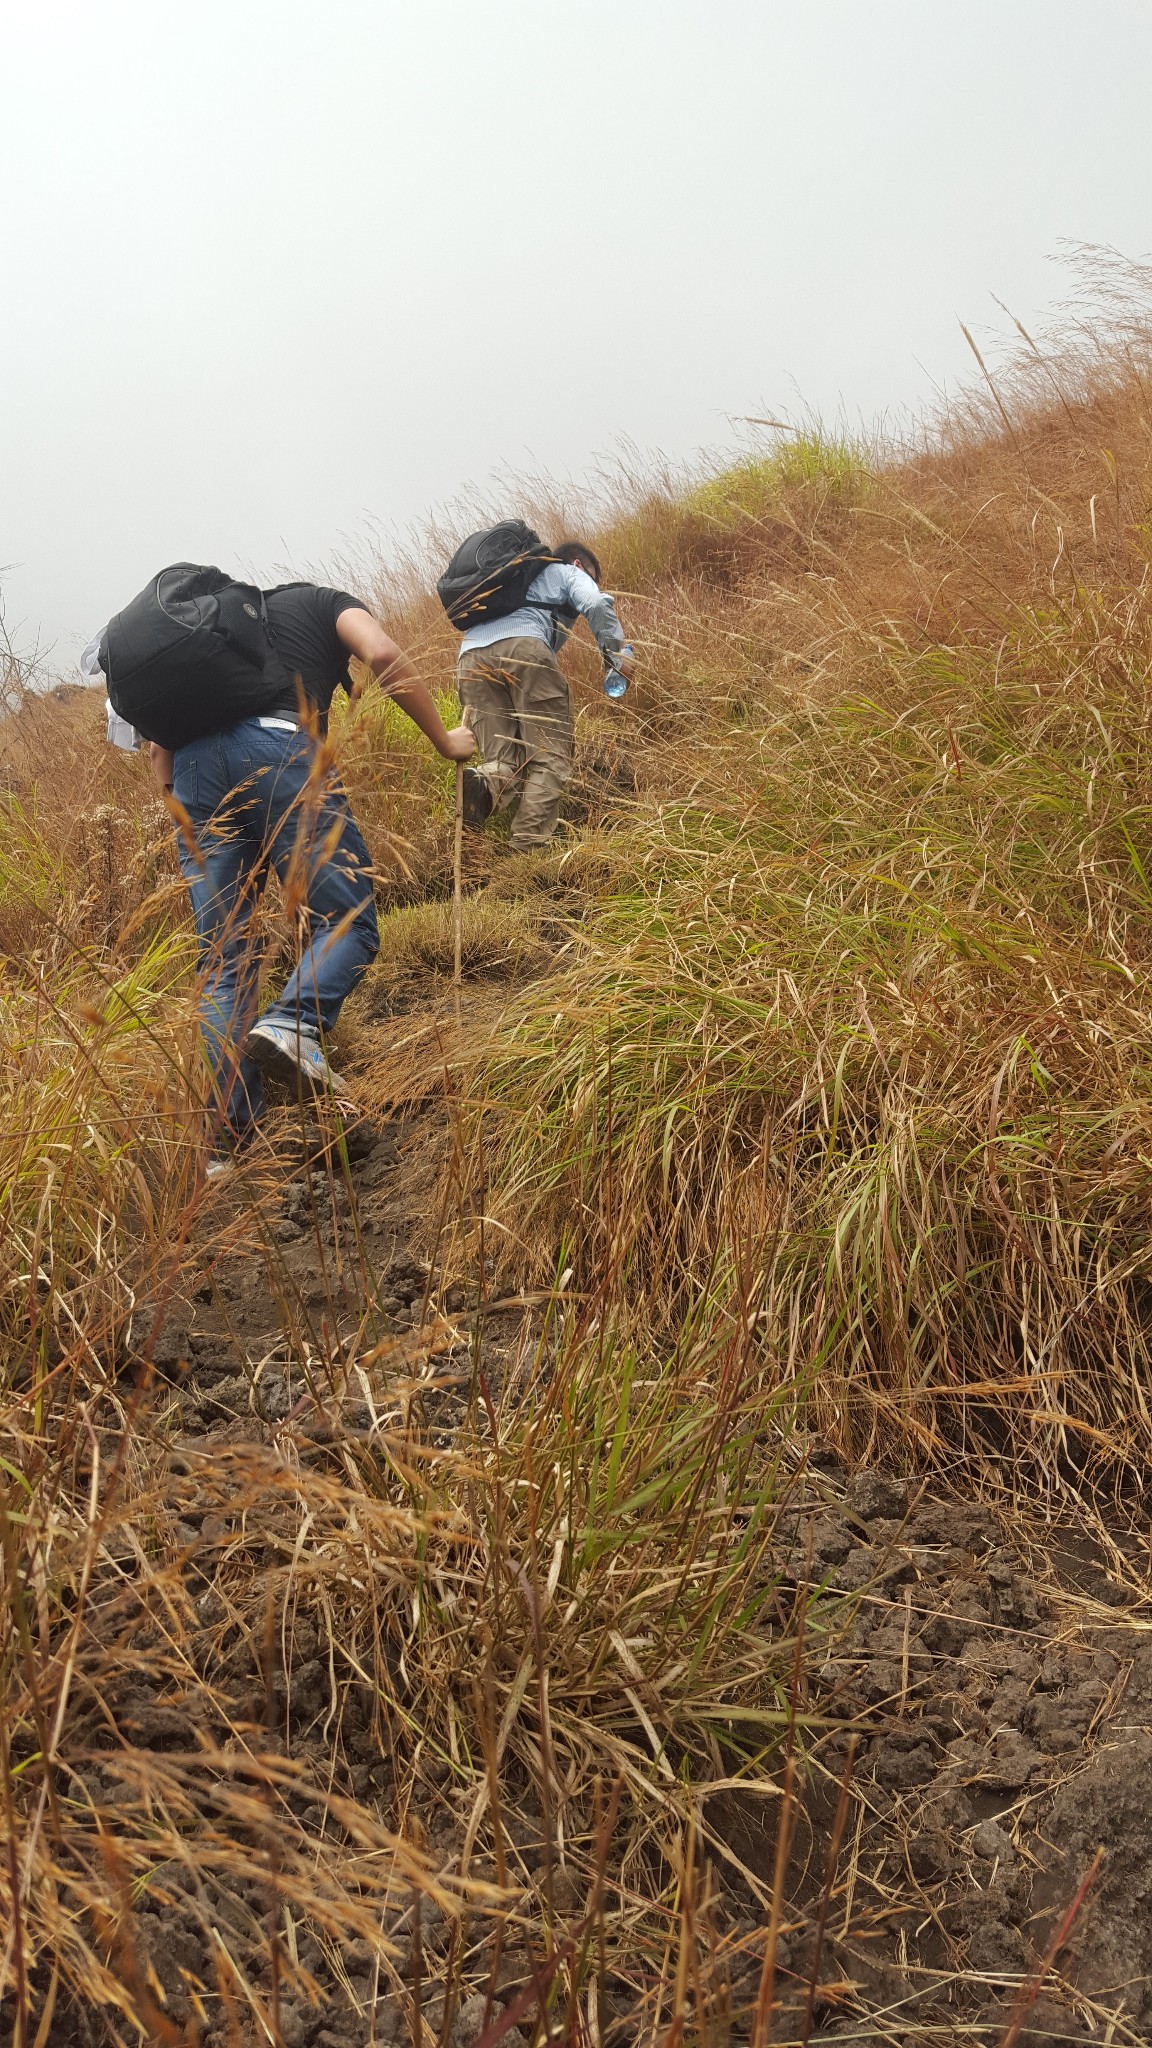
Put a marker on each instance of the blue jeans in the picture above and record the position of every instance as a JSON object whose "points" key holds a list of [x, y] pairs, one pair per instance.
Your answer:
{"points": [[256, 803]]}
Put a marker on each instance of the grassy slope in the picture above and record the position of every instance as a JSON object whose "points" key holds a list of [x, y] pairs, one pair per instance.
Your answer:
{"points": [[859, 1031], [837, 1095]]}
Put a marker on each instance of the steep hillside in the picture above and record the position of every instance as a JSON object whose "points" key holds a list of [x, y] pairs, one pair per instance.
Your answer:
{"points": [[659, 1549]]}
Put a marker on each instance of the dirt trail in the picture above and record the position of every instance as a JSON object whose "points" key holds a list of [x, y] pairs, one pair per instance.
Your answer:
{"points": [[995, 1674], [998, 1673]]}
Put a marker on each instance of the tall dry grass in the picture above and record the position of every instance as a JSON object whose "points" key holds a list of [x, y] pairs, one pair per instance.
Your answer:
{"points": [[875, 963], [245, 1687], [244, 1684], [832, 1117]]}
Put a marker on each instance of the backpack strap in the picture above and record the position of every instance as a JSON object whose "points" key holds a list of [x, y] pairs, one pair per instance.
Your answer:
{"points": [[562, 614]]}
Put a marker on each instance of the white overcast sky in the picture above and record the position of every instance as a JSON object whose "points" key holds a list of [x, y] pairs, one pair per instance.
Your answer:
{"points": [[276, 273]]}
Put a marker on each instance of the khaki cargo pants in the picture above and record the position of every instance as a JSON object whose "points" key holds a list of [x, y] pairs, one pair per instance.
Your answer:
{"points": [[520, 709]]}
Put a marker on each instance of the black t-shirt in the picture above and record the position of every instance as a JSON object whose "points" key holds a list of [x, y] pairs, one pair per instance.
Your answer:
{"points": [[302, 621]]}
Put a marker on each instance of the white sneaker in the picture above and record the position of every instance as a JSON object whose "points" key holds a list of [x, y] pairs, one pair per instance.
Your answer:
{"points": [[292, 1056]]}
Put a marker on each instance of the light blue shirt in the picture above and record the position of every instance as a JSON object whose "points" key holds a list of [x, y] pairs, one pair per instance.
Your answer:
{"points": [[561, 583]]}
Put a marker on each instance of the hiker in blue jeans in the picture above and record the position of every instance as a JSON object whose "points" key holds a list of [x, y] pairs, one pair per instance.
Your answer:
{"points": [[259, 799]]}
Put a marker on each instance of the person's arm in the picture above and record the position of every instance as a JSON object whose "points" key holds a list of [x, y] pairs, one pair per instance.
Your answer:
{"points": [[600, 611], [365, 637], [161, 760]]}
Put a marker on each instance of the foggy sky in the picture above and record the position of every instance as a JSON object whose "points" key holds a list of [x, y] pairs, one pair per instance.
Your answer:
{"points": [[277, 274]]}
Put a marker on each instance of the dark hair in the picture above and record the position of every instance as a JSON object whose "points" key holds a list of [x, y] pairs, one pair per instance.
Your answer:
{"points": [[569, 550]]}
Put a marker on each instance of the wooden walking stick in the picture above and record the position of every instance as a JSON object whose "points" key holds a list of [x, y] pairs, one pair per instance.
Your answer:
{"points": [[457, 906], [457, 900]]}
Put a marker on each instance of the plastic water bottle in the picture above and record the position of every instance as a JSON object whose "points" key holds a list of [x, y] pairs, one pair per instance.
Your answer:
{"points": [[616, 684]]}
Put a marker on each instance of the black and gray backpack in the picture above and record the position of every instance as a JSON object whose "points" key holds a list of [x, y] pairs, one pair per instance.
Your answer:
{"points": [[191, 655], [490, 574]]}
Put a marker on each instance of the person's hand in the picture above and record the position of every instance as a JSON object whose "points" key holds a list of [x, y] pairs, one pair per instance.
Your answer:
{"points": [[461, 744]]}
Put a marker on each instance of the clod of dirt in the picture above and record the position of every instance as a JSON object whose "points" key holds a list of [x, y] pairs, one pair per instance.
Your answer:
{"points": [[231, 1396], [167, 1347], [990, 1841], [1109, 1802], [873, 1497], [1047, 2025], [832, 1540], [474, 2016]]}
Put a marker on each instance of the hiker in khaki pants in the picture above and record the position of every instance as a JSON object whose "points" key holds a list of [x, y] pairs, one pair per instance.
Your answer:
{"points": [[516, 698]]}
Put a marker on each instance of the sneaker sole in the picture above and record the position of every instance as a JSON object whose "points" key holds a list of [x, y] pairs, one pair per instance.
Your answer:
{"points": [[278, 1065], [477, 805]]}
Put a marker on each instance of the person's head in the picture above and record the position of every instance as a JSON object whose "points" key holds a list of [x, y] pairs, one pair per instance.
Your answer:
{"points": [[580, 555]]}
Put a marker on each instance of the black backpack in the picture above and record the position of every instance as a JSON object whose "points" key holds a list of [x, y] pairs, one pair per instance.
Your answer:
{"points": [[191, 655], [489, 575]]}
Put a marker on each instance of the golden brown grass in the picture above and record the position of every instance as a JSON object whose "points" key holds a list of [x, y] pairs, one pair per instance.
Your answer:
{"points": [[832, 1114], [871, 986]]}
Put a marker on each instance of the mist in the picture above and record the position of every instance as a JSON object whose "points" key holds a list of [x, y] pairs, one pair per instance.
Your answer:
{"points": [[281, 281]]}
